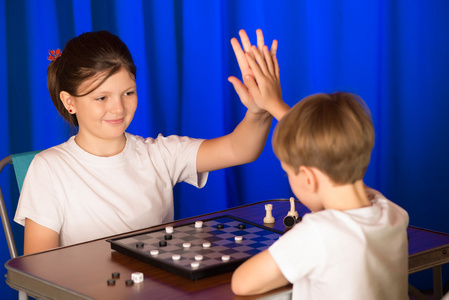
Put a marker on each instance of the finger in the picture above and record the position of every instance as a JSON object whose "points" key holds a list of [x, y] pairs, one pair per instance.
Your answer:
{"points": [[260, 61], [276, 67], [245, 41], [252, 86], [260, 40], [274, 47], [258, 74], [239, 87], [268, 60], [240, 55]]}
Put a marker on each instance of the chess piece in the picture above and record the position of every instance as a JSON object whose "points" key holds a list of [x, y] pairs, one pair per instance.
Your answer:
{"points": [[292, 211], [289, 221], [292, 216], [269, 217]]}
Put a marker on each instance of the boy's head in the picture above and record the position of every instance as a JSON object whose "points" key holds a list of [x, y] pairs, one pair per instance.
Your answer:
{"points": [[331, 132]]}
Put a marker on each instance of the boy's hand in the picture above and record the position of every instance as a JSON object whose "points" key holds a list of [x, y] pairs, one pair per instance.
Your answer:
{"points": [[265, 85], [246, 98]]}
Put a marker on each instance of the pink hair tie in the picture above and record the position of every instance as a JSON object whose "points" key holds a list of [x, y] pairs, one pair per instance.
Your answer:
{"points": [[53, 54]]}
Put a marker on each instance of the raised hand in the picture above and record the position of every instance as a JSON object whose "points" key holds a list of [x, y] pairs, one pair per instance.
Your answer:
{"points": [[264, 85], [246, 70], [240, 53]]}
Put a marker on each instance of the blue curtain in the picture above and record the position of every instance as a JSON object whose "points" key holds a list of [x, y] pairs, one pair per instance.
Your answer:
{"points": [[394, 54]]}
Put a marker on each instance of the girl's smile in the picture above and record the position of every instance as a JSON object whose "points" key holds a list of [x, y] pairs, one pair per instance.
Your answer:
{"points": [[115, 122]]}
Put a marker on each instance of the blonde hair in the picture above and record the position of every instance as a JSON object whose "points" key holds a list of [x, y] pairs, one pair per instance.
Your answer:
{"points": [[332, 132]]}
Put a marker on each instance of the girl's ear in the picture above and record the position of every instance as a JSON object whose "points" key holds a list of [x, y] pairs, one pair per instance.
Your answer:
{"points": [[310, 178], [68, 102]]}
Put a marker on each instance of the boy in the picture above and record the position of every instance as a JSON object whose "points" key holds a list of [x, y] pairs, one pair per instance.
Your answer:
{"points": [[354, 243]]}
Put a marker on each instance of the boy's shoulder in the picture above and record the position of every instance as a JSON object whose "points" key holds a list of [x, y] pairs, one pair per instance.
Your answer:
{"points": [[333, 229], [383, 213]]}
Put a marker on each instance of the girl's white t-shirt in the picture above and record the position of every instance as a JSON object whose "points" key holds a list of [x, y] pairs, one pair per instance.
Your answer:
{"points": [[84, 197]]}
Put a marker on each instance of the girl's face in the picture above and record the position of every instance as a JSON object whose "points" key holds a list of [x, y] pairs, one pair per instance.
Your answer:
{"points": [[106, 113]]}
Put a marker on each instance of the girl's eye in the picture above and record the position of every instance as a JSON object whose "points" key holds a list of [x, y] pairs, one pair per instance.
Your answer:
{"points": [[100, 98], [129, 93]]}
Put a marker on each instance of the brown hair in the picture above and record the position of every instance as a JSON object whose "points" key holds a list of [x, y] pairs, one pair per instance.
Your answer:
{"points": [[332, 132], [92, 54]]}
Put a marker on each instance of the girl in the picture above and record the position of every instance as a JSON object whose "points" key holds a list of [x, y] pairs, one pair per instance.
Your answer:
{"points": [[104, 181]]}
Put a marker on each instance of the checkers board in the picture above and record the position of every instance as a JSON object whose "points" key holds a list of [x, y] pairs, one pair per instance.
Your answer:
{"points": [[213, 248]]}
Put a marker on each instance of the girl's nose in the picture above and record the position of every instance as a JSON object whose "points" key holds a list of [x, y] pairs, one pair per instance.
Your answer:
{"points": [[117, 106]]}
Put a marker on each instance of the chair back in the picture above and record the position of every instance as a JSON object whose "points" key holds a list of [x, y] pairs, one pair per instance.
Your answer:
{"points": [[20, 162]]}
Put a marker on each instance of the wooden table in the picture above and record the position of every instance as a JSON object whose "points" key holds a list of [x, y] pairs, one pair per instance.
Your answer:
{"points": [[427, 249], [80, 271]]}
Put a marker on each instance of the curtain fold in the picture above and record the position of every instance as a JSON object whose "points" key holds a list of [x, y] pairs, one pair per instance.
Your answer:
{"points": [[394, 54]]}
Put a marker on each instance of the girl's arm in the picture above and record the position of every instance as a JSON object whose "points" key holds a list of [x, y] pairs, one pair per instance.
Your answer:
{"points": [[241, 146], [248, 139], [39, 238], [257, 275]]}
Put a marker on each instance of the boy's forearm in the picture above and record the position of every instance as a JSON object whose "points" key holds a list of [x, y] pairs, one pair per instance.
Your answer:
{"points": [[257, 275], [278, 110]]}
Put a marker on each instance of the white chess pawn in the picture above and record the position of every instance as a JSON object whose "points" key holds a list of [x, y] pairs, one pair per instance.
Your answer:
{"points": [[269, 217], [292, 211]]}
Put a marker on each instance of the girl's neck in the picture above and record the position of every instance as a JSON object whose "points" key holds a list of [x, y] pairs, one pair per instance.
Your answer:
{"points": [[101, 147]]}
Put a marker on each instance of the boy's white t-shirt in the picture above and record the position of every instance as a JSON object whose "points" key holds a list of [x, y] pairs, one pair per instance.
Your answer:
{"points": [[353, 254], [84, 197]]}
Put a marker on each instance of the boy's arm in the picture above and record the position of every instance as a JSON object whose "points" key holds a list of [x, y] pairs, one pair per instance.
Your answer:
{"points": [[257, 275], [248, 139]]}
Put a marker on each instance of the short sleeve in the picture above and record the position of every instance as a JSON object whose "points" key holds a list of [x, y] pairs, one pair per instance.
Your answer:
{"points": [[179, 155], [39, 201], [298, 253]]}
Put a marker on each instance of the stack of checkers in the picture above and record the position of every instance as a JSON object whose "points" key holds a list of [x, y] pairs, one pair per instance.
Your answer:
{"points": [[136, 277], [201, 249]]}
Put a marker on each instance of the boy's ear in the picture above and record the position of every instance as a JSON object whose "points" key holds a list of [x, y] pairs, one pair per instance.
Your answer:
{"points": [[310, 178], [67, 100]]}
